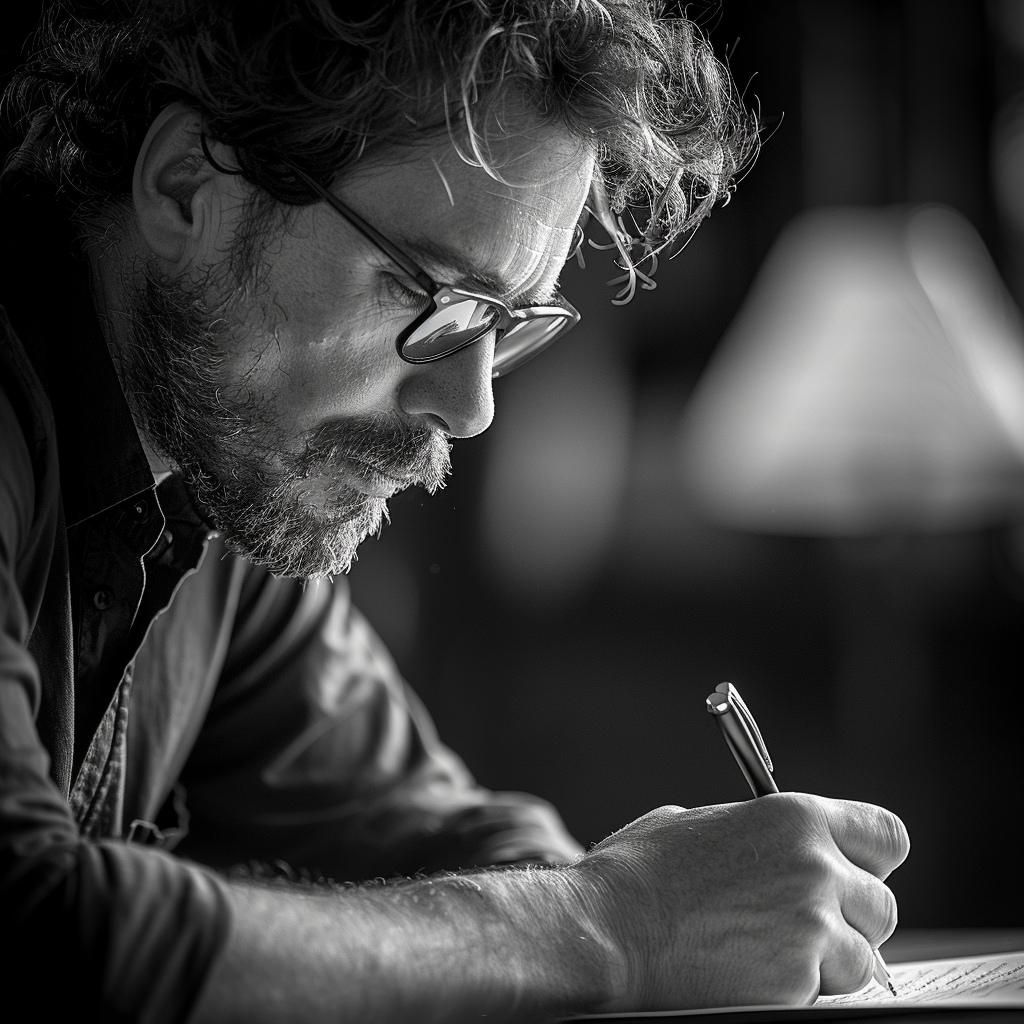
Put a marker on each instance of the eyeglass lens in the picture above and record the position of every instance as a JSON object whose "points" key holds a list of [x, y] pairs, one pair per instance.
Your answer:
{"points": [[525, 340], [460, 322], [449, 328]]}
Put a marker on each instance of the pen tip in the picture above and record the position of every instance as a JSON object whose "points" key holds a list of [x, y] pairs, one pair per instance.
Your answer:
{"points": [[892, 988]]}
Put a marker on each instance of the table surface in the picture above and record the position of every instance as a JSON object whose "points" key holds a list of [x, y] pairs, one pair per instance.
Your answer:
{"points": [[940, 943]]}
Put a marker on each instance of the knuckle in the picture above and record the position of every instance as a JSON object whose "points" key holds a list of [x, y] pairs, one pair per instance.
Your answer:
{"points": [[848, 968], [815, 864], [890, 911], [862, 969], [815, 921], [874, 910]]}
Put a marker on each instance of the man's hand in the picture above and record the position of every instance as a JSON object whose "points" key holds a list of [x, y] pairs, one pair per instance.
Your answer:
{"points": [[768, 901]]}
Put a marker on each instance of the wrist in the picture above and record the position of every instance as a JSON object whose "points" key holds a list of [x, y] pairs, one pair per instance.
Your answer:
{"points": [[572, 963], [623, 903], [600, 954]]}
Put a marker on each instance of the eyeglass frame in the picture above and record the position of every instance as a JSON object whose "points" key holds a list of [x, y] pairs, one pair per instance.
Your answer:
{"points": [[440, 294]]}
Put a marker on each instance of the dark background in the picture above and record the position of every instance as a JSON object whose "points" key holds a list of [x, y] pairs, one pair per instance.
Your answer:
{"points": [[886, 668]]}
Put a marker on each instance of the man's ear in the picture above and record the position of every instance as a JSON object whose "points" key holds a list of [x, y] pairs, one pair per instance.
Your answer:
{"points": [[172, 206]]}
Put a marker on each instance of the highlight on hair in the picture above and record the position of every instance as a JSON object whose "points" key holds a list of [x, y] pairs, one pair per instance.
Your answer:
{"points": [[327, 82]]}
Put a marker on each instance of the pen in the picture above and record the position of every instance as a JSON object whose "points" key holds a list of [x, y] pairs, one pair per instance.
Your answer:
{"points": [[744, 740]]}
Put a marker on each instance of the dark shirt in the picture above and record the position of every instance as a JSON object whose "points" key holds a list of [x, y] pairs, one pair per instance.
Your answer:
{"points": [[147, 676]]}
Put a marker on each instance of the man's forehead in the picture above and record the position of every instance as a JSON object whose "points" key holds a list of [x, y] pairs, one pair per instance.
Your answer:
{"points": [[506, 225]]}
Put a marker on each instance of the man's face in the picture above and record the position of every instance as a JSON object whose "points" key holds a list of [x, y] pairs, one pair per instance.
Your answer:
{"points": [[278, 392]]}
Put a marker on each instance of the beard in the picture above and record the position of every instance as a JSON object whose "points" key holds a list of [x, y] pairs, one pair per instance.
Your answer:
{"points": [[285, 503]]}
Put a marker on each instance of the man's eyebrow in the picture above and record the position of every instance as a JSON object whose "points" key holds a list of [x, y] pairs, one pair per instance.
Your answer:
{"points": [[469, 275]]}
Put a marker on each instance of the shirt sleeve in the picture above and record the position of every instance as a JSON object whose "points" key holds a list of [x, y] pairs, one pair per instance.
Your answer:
{"points": [[87, 930], [316, 753]]}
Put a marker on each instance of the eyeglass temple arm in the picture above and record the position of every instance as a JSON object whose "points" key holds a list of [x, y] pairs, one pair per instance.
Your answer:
{"points": [[420, 276]]}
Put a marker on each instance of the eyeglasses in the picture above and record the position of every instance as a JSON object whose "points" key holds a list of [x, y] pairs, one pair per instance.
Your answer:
{"points": [[457, 317]]}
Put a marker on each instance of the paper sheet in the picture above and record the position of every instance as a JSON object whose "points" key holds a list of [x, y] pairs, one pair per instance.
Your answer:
{"points": [[998, 977]]}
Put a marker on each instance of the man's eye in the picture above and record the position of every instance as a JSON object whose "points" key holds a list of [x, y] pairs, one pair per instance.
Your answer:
{"points": [[404, 295]]}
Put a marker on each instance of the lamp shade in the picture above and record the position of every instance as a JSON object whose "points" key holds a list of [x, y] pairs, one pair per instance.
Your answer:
{"points": [[872, 382]]}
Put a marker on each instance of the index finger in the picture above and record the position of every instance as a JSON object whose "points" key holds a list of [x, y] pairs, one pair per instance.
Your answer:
{"points": [[869, 836]]}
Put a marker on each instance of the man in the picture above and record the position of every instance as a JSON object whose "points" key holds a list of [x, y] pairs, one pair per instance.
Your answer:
{"points": [[302, 240]]}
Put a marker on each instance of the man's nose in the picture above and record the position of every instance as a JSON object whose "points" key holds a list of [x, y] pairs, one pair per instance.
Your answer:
{"points": [[453, 394]]}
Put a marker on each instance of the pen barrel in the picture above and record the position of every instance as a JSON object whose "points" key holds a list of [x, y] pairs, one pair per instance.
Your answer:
{"points": [[741, 743]]}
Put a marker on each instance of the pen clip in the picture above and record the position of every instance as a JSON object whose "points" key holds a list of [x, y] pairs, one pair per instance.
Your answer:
{"points": [[732, 695]]}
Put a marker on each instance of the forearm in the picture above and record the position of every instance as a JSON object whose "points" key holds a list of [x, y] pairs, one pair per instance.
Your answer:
{"points": [[514, 945]]}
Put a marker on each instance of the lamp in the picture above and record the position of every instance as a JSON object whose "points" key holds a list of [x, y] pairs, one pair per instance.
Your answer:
{"points": [[872, 382]]}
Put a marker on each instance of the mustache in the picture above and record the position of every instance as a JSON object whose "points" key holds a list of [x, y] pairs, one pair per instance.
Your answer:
{"points": [[415, 455]]}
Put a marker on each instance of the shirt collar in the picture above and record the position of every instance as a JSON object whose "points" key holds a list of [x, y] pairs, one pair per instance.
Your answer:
{"points": [[48, 297]]}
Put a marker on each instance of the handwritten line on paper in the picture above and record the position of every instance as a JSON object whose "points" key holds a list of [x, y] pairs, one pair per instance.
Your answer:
{"points": [[994, 978]]}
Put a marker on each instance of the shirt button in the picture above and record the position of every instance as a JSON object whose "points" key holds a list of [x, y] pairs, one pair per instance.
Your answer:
{"points": [[140, 510], [103, 598]]}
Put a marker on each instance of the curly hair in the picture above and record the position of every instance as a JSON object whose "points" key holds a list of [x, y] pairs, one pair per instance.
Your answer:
{"points": [[324, 82]]}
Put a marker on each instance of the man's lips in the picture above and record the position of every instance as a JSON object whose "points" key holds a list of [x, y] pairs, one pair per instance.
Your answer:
{"points": [[372, 480]]}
